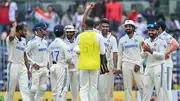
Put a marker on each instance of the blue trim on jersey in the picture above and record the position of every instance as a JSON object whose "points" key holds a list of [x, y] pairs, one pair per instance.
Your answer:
{"points": [[42, 49], [168, 78], [162, 70], [106, 44], [9, 74], [33, 38], [19, 48], [30, 81], [131, 46]]}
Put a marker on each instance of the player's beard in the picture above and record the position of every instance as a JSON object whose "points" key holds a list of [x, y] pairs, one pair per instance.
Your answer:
{"points": [[152, 36], [70, 37], [104, 32], [23, 35], [128, 31]]}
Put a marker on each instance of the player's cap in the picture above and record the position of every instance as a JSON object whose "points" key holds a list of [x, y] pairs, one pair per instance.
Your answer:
{"points": [[161, 24], [129, 22], [40, 25], [152, 26], [69, 28], [59, 30]]}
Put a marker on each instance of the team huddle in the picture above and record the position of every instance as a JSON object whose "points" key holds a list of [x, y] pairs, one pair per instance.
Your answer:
{"points": [[88, 63]]}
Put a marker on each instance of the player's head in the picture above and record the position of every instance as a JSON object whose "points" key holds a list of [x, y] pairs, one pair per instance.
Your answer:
{"points": [[69, 32], [40, 29], [129, 26], [161, 26], [152, 30], [104, 26], [21, 29], [89, 23], [59, 30]]}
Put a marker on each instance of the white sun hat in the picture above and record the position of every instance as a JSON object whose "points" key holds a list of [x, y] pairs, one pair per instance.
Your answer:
{"points": [[129, 22], [69, 28]]}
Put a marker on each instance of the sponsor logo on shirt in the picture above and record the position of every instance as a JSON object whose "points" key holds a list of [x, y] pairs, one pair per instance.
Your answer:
{"points": [[19, 48], [42, 49], [131, 46]]}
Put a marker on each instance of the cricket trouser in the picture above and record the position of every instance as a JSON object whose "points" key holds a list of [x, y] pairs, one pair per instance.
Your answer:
{"points": [[153, 77], [73, 81], [17, 73], [39, 83], [128, 76], [167, 81], [88, 85], [59, 82], [106, 86]]}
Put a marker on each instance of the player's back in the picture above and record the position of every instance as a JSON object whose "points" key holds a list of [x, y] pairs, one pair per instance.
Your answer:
{"points": [[158, 45], [58, 50], [168, 38], [131, 48], [16, 49]]}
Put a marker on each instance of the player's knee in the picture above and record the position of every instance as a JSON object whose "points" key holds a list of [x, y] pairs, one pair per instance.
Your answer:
{"points": [[43, 88], [34, 89]]}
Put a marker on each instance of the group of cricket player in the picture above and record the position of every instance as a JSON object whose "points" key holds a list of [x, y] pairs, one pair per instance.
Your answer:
{"points": [[62, 59]]}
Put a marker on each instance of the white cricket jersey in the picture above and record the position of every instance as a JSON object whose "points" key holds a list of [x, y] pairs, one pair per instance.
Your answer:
{"points": [[73, 53], [130, 49], [168, 38], [158, 46], [99, 39], [110, 46], [16, 49], [59, 52], [37, 51]]}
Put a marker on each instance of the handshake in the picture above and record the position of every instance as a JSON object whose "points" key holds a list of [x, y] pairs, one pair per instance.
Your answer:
{"points": [[103, 66]]}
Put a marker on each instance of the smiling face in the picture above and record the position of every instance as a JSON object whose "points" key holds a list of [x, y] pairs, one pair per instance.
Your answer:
{"points": [[129, 28], [152, 33], [104, 28]]}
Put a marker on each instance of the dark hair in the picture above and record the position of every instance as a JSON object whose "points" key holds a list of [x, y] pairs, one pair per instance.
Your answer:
{"points": [[89, 22], [20, 27], [105, 20]]}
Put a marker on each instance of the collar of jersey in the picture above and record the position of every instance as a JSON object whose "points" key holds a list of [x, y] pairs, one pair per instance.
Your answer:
{"points": [[109, 34], [37, 37]]}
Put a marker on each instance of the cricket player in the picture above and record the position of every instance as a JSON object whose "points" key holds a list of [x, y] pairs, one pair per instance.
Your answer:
{"points": [[18, 68], [59, 58], [154, 51], [106, 81], [130, 60], [172, 45], [38, 57], [73, 75], [91, 45]]}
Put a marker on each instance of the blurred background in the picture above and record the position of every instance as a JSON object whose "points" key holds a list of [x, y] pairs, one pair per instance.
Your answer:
{"points": [[67, 12]]}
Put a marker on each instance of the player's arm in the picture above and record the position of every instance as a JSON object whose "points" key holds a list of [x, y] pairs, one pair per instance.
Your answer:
{"points": [[174, 45], [27, 65], [89, 6], [12, 32], [115, 52], [120, 54], [162, 50], [67, 53], [31, 61], [101, 44]]}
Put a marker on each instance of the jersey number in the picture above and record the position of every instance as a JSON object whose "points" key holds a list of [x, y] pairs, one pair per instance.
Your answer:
{"points": [[56, 54]]}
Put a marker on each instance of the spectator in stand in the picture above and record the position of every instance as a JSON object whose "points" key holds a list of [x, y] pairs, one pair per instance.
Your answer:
{"points": [[114, 14], [173, 26], [67, 18], [99, 10], [133, 14], [4, 18], [13, 8], [151, 12], [78, 16], [54, 20], [141, 26]]}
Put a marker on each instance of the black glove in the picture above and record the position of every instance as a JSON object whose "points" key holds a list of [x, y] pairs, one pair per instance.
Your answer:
{"points": [[103, 66]]}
